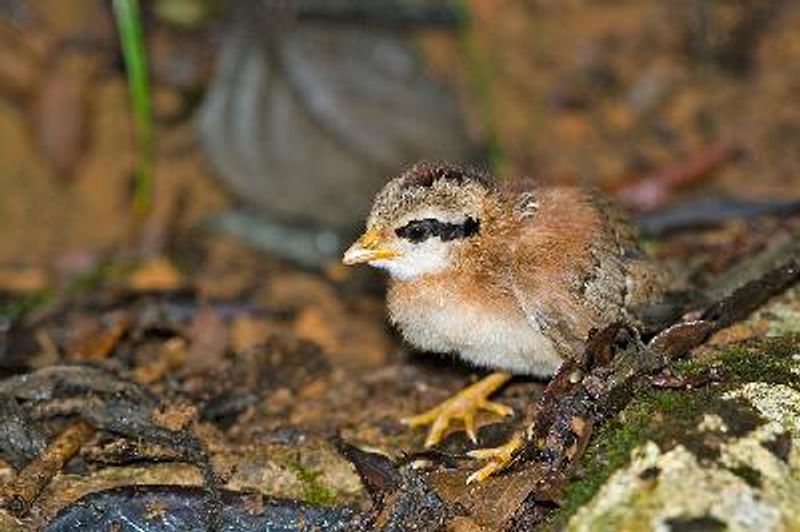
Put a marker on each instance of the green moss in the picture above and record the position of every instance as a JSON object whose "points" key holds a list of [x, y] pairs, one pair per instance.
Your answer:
{"points": [[694, 368], [314, 491], [14, 308], [769, 360]]}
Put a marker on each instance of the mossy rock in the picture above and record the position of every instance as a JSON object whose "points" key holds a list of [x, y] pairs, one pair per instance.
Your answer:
{"points": [[717, 456]]}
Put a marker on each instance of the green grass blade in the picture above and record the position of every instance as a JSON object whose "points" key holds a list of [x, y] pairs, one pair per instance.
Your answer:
{"points": [[126, 13]]}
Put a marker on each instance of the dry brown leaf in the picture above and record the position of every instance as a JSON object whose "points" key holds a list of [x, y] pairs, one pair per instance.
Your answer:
{"points": [[98, 341], [175, 417], [248, 332], [208, 338], [24, 279], [171, 355], [157, 273]]}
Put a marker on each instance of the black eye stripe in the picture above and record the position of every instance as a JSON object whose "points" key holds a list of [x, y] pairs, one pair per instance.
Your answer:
{"points": [[417, 231]]}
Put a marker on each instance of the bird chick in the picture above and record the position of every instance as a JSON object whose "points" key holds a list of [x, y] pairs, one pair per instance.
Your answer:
{"points": [[508, 276]]}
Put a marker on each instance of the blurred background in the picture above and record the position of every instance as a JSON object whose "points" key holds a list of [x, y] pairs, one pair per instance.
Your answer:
{"points": [[276, 120]]}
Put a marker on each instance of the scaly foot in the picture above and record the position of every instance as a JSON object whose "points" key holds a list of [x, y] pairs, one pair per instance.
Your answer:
{"points": [[498, 458], [463, 405]]}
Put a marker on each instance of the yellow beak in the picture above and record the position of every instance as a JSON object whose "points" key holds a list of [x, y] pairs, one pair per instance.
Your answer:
{"points": [[367, 248]]}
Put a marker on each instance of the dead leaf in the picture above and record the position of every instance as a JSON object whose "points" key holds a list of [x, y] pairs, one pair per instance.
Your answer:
{"points": [[98, 341], [208, 337], [464, 524], [491, 503], [248, 332], [22, 279], [175, 417], [170, 356], [654, 189], [157, 273]]}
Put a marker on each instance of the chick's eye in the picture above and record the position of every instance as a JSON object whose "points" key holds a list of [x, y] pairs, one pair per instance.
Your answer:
{"points": [[416, 231]]}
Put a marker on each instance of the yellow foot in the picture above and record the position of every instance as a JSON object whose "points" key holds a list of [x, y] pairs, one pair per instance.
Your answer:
{"points": [[463, 405], [498, 458]]}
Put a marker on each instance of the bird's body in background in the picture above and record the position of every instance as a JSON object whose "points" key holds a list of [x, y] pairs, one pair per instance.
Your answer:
{"points": [[508, 276]]}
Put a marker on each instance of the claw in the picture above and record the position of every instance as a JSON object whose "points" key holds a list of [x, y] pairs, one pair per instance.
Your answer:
{"points": [[498, 408], [463, 405], [498, 457], [469, 426]]}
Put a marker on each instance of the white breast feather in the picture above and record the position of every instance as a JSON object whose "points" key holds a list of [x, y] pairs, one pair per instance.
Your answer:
{"points": [[439, 323]]}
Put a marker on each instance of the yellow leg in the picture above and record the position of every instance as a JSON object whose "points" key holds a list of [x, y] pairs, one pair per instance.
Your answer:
{"points": [[498, 458], [463, 405]]}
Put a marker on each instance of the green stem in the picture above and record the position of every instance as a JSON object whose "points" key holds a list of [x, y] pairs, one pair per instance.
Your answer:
{"points": [[126, 13]]}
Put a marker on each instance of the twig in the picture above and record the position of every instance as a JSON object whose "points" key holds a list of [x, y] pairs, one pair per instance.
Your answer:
{"points": [[22, 491], [653, 190], [711, 212]]}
